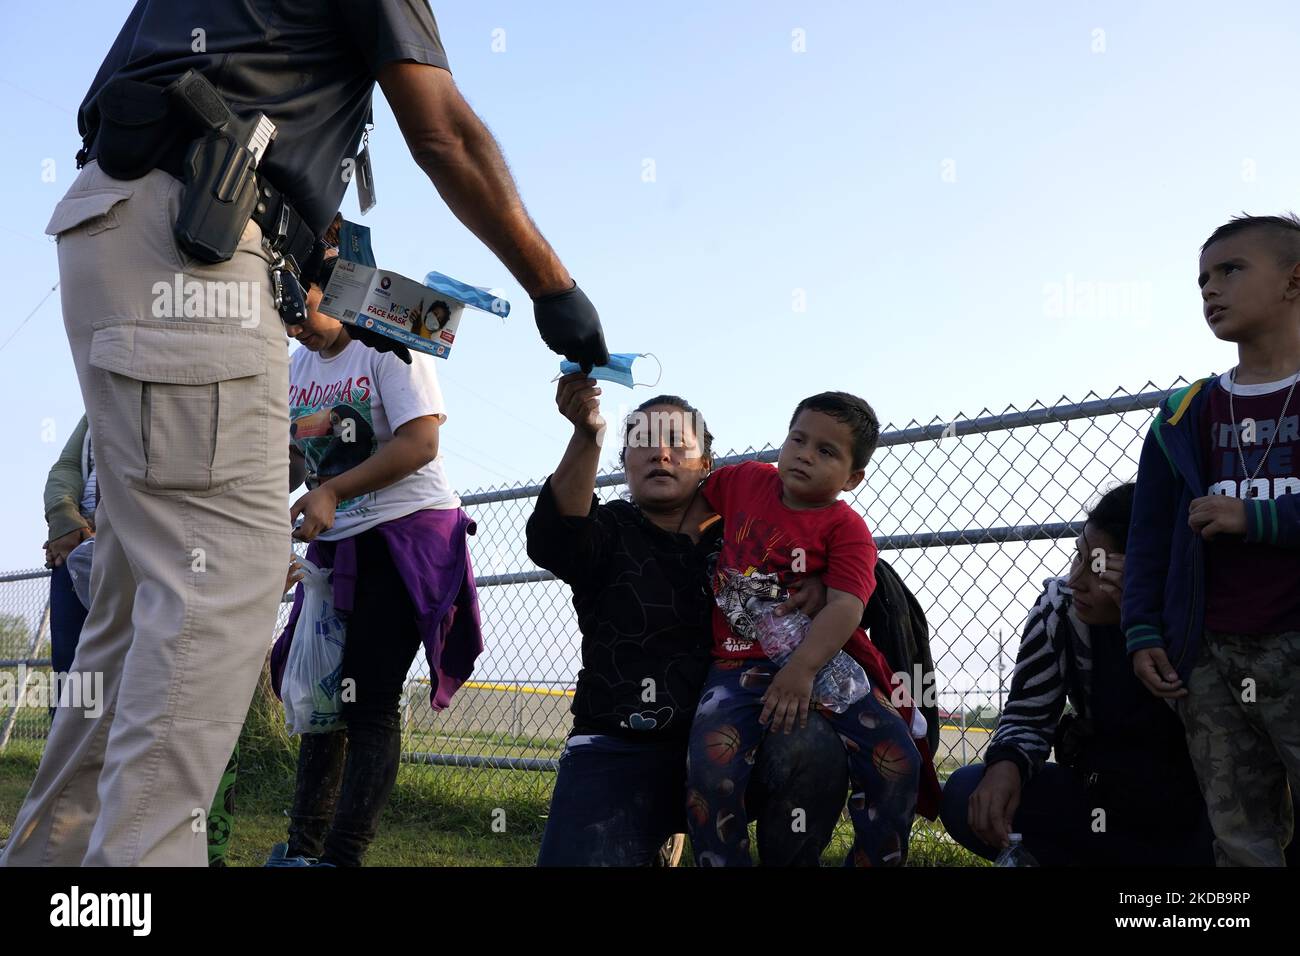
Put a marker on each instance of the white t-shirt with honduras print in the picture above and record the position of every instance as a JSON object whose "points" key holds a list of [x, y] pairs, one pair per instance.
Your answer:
{"points": [[344, 409]]}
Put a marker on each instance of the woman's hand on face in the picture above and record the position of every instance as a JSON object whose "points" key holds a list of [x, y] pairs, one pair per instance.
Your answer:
{"points": [[1112, 579], [317, 508], [808, 594], [578, 399]]}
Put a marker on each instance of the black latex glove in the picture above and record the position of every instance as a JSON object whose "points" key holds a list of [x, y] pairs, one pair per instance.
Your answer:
{"points": [[570, 326], [380, 343]]}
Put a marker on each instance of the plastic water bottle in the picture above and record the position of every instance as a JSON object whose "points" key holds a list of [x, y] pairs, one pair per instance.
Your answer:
{"points": [[779, 636], [839, 683], [1015, 854]]}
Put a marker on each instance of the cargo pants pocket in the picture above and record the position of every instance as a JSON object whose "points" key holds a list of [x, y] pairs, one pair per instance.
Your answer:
{"points": [[181, 406], [91, 209]]}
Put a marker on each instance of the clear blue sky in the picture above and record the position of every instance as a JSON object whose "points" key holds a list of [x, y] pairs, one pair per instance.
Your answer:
{"points": [[931, 176]]}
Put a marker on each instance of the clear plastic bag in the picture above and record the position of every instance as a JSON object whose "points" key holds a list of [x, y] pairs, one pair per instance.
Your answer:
{"points": [[311, 687], [79, 563]]}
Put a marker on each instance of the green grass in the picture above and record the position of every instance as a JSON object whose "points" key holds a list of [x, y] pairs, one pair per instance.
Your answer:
{"points": [[478, 742], [437, 816], [17, 767], [430, 821], [492, 738]]}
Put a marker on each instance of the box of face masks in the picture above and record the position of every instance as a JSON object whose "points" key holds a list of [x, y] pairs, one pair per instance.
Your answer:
{"points": [[423, 317]]}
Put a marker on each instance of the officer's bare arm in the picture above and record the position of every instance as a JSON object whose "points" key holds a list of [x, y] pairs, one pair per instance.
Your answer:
{"points": [[456, 151]]}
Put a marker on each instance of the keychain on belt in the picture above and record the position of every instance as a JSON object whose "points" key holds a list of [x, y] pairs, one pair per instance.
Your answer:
{"points": [[290, 300]]}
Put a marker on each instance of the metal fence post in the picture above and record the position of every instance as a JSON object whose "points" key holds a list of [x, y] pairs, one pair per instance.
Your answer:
{"points": [[21, 691], [964, 761]]}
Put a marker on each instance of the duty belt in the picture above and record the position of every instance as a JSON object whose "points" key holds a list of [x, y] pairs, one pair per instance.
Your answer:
{"points": [[135, 126], [295, 253]]}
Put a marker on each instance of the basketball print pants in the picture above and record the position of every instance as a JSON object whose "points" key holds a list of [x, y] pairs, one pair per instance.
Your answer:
{"points": [[884, 769]]}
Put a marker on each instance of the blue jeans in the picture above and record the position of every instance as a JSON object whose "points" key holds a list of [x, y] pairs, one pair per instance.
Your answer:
{"points": [[1055, 818], [67, 615], [615, 801], [805, 770]]}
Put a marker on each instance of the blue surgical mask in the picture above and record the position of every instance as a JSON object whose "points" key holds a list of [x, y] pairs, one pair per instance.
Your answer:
{"points": [[354, 243], [618, 370]]}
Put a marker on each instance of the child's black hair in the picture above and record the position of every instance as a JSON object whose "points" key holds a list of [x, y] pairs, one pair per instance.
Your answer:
{"points": [[1113, 513], [703, 435], [852, 411], [326, 270], [1283, 232]]}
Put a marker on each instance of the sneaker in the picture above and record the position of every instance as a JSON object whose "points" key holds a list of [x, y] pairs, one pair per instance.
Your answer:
{"points": [[279, 857]]}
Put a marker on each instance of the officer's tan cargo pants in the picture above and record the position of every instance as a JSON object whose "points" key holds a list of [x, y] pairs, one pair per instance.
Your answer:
{"points": [[187, 400]]}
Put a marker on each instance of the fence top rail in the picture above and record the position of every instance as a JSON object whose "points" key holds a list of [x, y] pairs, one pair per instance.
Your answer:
{"points": [[10, 576], [967, 537], [1004, 421]]}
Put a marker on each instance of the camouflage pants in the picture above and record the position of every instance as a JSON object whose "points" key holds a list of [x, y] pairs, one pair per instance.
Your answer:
{"points": [[1242, 718]]}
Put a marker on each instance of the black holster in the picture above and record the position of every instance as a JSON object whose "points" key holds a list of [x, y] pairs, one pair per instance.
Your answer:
{"points": [[220, 193], [136, 127], [139, 129]]}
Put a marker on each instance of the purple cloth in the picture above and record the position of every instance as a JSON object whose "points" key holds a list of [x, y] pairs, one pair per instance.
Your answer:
{"points": [[430, 549]]}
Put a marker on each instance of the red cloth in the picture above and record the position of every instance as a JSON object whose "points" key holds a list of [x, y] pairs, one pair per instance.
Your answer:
{"points": [[1250, 588], [762, 534]]}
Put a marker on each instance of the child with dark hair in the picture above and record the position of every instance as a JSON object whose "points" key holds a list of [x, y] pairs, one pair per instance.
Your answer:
{"points": [[782, 523], [639, 570], [1211, 603], [379, 511]]}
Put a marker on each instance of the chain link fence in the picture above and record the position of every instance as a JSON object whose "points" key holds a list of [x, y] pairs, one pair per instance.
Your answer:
{"points": [[973, 513]]}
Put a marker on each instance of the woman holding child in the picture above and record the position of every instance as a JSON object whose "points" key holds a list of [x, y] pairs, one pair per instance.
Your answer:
{"points": [[640, 573]]}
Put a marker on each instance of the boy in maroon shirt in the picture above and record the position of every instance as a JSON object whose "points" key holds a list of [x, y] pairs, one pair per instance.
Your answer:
{"points": [[781, 523], [1211, 608]]}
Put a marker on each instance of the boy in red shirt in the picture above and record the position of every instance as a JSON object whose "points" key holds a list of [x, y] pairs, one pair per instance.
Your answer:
{"points": [[781, 523]]}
